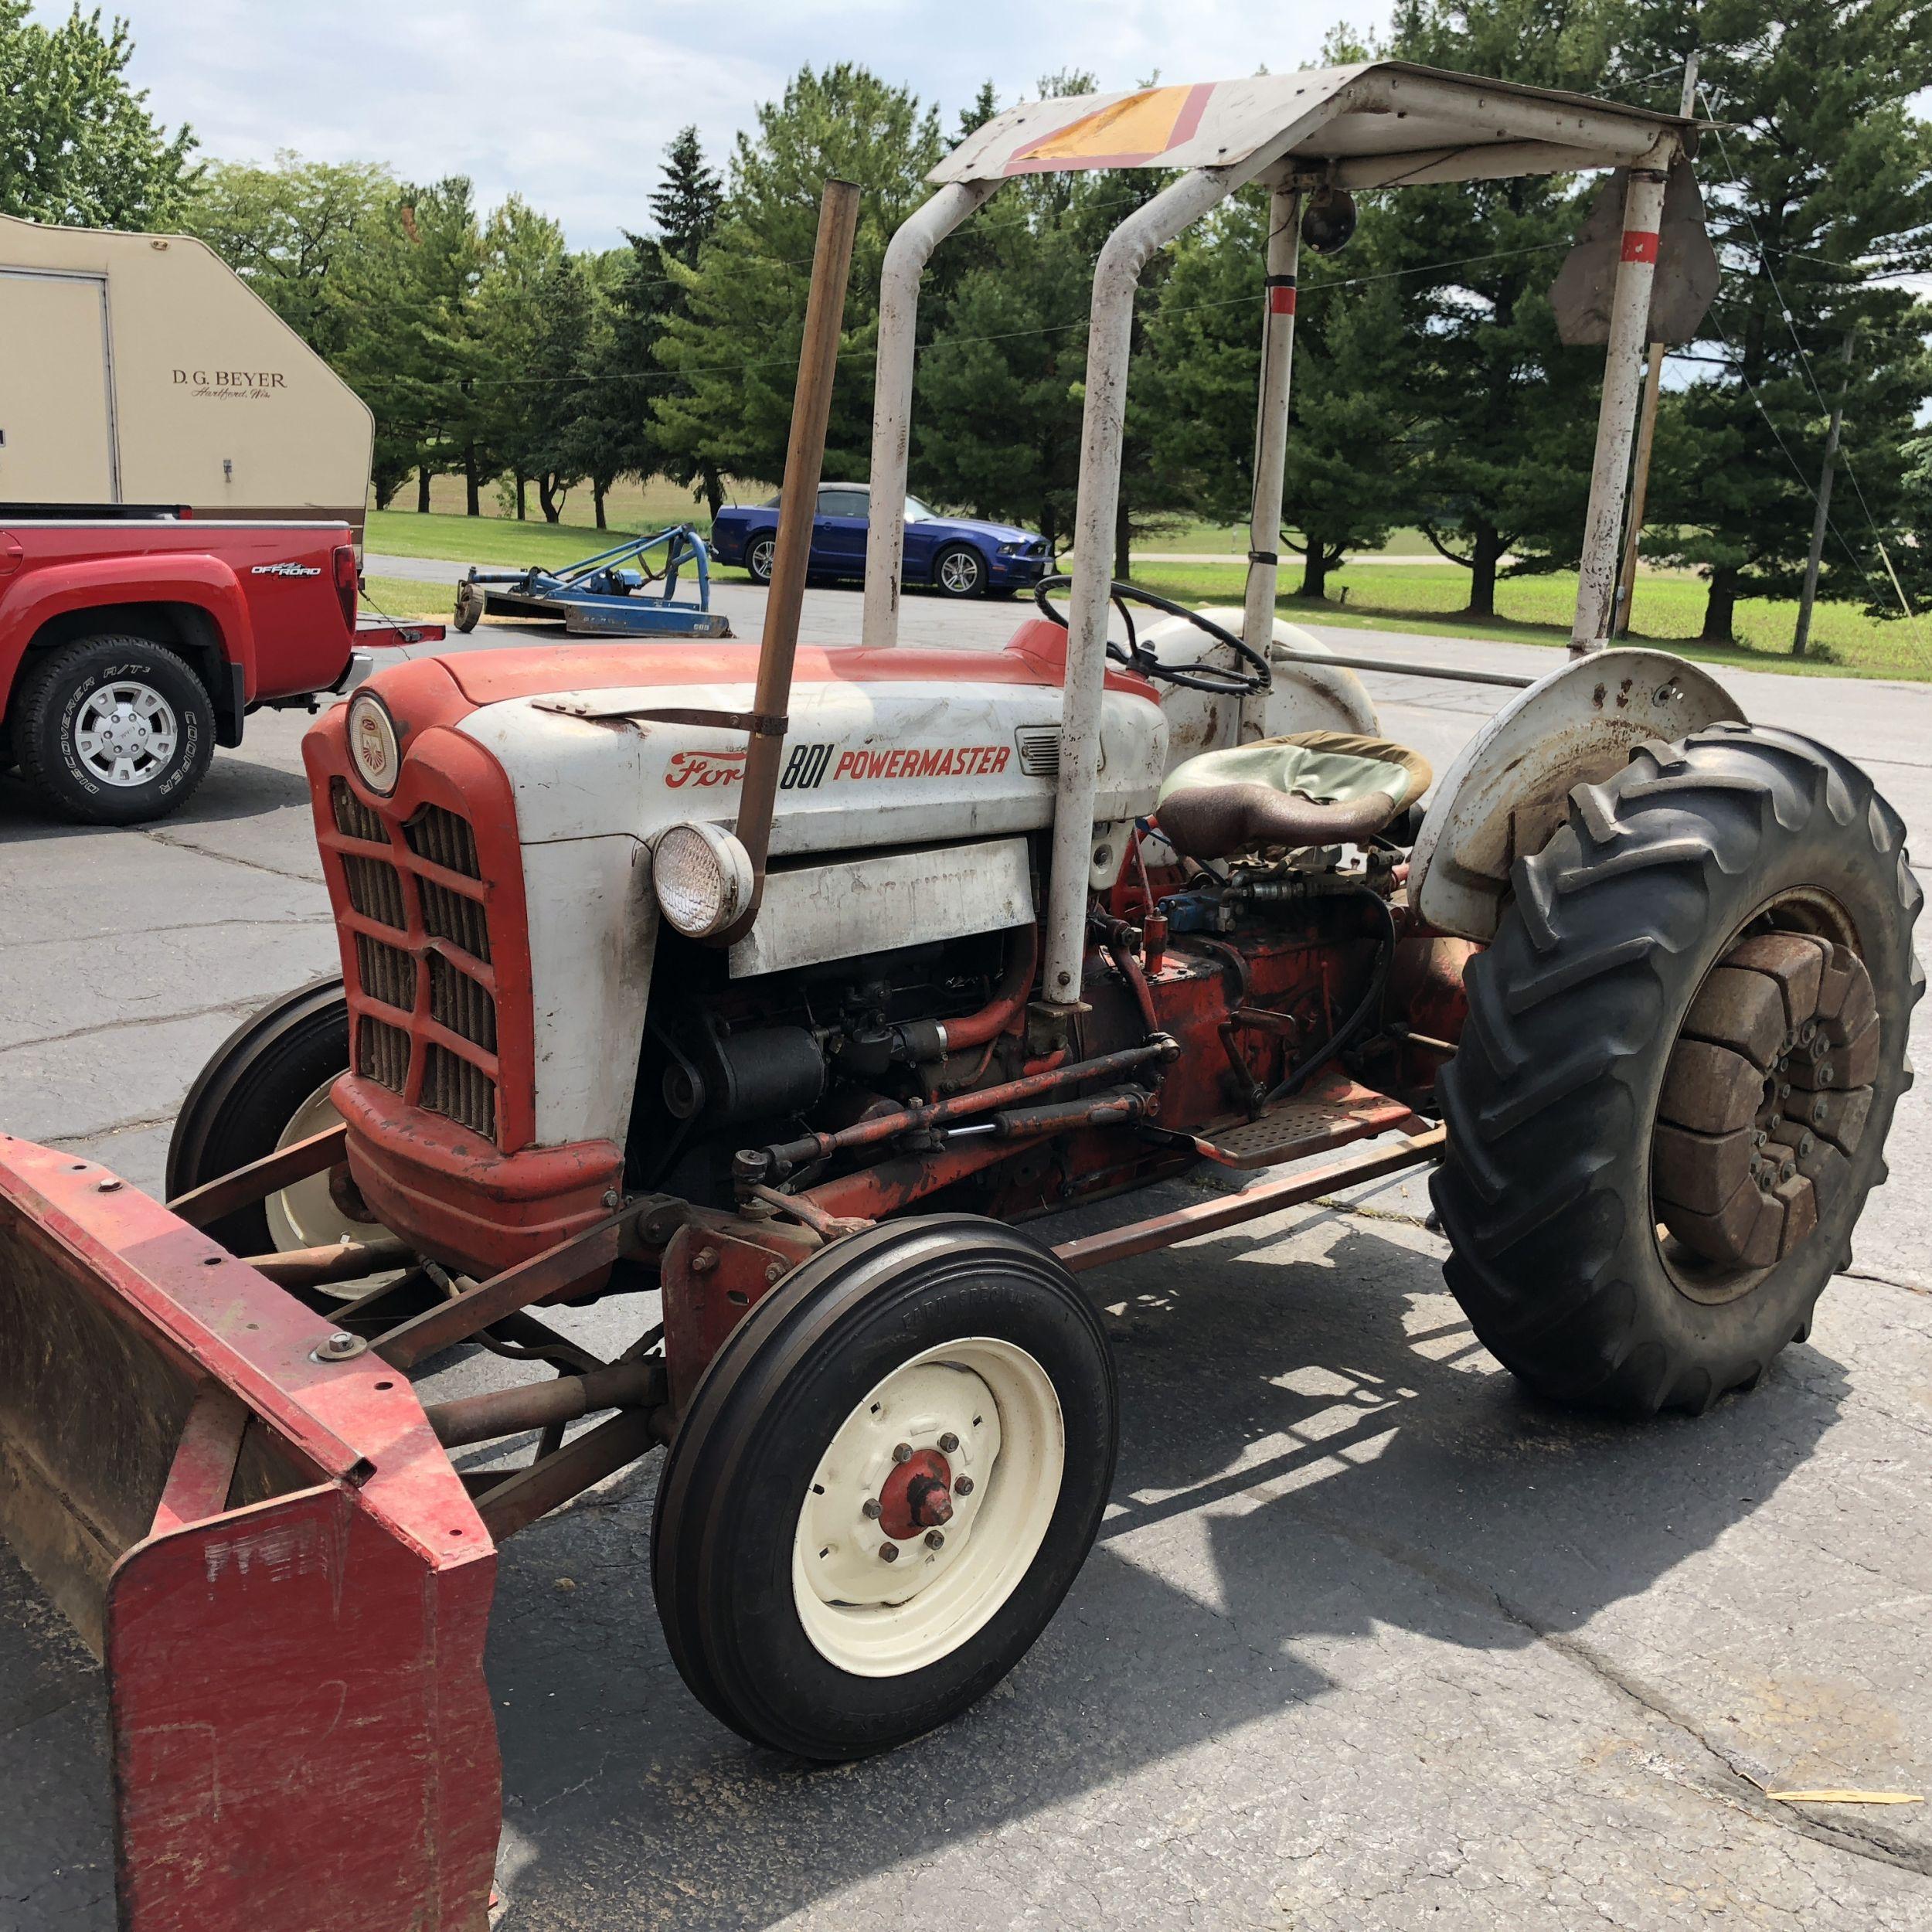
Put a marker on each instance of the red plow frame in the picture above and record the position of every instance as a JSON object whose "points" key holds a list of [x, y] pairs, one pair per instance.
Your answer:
{"points": [[284, 1575]]}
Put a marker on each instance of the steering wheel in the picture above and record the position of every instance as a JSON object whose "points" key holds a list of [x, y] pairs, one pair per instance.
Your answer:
{"points": [[1194, 677]]}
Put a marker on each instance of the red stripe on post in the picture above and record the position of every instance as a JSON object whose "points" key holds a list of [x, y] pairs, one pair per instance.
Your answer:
{"points": [[1640, 244], [1280, 301]]}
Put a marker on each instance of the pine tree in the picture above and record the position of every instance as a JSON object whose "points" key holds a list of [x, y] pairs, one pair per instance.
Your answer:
{"points": [[733, 339], [686, 207], [687, 198], [1818, 188]]}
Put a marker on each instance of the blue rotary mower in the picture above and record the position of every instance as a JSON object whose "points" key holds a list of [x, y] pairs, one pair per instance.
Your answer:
{"points": [[620, 593]]}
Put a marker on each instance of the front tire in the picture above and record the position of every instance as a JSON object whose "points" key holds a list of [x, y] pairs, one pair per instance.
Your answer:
{"points": [[113, 730], [1658, 1146], [266, 1086], [960, 571], [938, 1387]]}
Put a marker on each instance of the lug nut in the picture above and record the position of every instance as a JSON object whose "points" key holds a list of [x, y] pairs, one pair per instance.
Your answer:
{"points": [[870, 1509], [963, 1486], [902, 1452], [949, 1442], [935, 1539], [888, 1553]]}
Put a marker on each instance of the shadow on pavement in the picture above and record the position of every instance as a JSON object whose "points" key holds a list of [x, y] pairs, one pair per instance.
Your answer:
{"points": [[1359, 1474]]}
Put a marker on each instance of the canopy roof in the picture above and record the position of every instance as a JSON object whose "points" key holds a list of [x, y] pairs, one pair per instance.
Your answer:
{"points": [[1373, 125]]}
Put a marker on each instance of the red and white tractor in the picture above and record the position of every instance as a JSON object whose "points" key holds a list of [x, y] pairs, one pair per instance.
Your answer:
{"points": [[787, 992]]}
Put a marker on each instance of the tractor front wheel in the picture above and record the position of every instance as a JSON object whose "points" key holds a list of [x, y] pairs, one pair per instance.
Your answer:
{"points": [[1683, 1053], [887, 1480]]}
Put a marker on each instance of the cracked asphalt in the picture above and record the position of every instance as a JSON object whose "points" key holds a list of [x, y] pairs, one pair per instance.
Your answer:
{"points": [[1369, 1640]]}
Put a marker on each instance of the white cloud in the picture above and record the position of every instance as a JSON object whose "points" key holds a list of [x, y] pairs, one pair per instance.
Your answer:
{"points": [[570, 103]]}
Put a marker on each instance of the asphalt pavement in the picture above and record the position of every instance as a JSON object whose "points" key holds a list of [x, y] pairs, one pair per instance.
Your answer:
{"points": [[1370, 1639]]}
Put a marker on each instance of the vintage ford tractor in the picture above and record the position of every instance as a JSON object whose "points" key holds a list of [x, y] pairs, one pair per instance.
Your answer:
{"points": [[786, 993]]}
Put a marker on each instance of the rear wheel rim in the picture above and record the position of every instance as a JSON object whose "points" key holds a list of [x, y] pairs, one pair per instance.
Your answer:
{"points": [[1743, 1173], [760, 558], [125, 733], [954, 1462], [959, 572]]}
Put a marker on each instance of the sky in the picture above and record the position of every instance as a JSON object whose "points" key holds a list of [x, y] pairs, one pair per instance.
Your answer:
{"points": [[570, 103]]}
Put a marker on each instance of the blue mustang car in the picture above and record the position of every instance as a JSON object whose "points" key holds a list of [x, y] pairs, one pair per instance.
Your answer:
{"points": [[959, 556]]}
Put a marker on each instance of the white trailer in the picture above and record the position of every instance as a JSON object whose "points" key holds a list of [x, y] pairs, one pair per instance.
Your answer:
{"points": [[141, 371]]}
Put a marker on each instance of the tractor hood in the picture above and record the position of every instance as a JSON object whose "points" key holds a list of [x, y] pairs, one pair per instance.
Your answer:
{"points": [[884, 748]]}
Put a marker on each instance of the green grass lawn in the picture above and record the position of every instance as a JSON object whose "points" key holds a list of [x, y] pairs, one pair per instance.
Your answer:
{"points": [[1233, 539], [501, 542], [406, 598], [1537, 609]]}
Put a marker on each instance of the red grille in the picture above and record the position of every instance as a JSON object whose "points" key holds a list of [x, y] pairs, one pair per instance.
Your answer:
{"points": [[387, 974], [383, 1053], [421, 955], [445, 840], [460, 1090]]}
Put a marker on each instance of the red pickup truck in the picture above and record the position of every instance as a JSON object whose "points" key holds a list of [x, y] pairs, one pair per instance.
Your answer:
{"points": [[131, 646]]}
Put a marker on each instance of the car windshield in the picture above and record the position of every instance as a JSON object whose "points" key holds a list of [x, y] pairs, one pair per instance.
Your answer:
{"points": [[916, 512]]}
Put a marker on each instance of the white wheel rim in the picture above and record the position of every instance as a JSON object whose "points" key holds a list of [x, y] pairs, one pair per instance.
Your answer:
{"points": [[877, 1618], [125, 732], [959, 572], [304, 1215]]}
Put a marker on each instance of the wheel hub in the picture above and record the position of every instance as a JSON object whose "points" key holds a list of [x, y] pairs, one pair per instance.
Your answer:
{"points": [[927, 1507], [125, 733], [1765, 1099]]}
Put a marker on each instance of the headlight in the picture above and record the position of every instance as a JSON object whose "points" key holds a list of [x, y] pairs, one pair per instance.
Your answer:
{"points": [[703, 879], [1012, 550], [372, 743]]}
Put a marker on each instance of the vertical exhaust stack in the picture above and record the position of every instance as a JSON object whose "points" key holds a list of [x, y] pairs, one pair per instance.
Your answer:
{"points": [[804, 459]]}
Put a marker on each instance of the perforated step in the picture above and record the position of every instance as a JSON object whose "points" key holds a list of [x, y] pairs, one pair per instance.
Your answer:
{"points": [[1329, 1113]]}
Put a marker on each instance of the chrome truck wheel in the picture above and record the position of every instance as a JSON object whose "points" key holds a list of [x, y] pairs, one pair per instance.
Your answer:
{"points": [[266, 1086], [886, 1481], [1683, 1053]]}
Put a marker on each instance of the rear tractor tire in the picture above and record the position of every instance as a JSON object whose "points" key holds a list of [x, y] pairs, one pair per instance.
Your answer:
{"points": [[886, 1481], [1683, 1053]]}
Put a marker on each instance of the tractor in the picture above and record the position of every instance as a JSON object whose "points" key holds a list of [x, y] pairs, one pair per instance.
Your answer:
{"points": [[785, 994]]}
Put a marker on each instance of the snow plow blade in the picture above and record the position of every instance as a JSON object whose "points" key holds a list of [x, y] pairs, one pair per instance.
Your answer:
{"points": [[271, 1554]]}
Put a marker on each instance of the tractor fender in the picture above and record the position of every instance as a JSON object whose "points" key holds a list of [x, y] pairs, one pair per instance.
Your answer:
{"points": [[1509, 789]]}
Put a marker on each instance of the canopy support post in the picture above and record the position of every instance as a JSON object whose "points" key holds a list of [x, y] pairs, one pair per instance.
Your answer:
{"points": [[1103, 432], [1270, 438], [1617, 418], [906, 255]]}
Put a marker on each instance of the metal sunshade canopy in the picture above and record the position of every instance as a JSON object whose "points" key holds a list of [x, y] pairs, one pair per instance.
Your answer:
{"points": [[1376, 124], [1381, 124]]}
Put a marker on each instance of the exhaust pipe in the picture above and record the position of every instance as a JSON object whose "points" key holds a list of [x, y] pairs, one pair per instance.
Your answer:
{"points": [[805, 461]]}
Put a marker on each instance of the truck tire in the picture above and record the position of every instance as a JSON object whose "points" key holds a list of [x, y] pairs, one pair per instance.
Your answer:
{"points": [[1683, 1052], [112, 730], [265, 1087], [787, 1483]]}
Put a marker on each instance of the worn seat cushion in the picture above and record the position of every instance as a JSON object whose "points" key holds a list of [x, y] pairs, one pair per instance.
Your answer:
{"points": [[1329, 767]]}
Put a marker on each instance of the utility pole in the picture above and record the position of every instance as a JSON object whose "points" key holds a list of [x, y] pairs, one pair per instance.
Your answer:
{"points": [[1646, 422], [1803, 636]]}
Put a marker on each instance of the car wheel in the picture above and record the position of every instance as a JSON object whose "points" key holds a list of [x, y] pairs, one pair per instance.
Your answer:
{"points": [[960, 571], [112, 730], [759, 554]]}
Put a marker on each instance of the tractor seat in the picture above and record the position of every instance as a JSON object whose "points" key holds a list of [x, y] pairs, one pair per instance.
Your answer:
{"points": [[1312, 788]]}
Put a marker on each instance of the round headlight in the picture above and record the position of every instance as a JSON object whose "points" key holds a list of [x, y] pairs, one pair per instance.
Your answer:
{"points": [[372, 743], [703, 878]]}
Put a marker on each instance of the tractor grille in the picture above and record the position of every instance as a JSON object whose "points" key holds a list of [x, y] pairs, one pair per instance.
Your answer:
{"points": [[387, 974], [353, 818], [464, 1005], [452, 915], [383, 1053], [437, 1008], [444, 840], [374, 889], [459, 1090]]}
